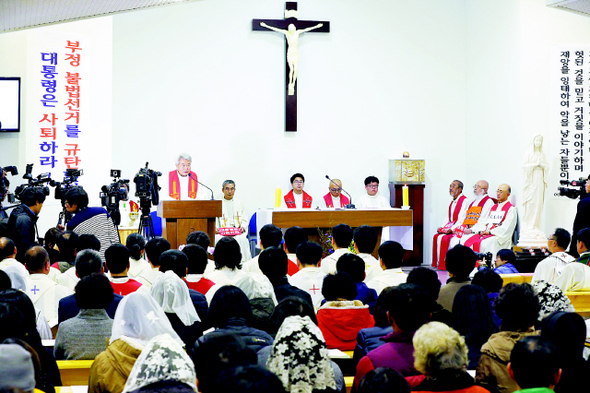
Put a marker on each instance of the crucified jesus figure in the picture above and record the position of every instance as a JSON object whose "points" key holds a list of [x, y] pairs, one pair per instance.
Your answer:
{"points": [[292, 36]]}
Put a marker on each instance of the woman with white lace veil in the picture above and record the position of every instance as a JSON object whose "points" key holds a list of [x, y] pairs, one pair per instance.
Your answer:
{"points": [[299, 357], [172, 294], [163, 366], [138, 319]]}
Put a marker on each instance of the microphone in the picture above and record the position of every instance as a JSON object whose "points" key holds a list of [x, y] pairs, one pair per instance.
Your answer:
{"points": [[189, 175], [350, 205]]}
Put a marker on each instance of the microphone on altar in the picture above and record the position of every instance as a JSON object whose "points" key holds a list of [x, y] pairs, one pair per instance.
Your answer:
{"points": [[189, 174], [350, 205]]}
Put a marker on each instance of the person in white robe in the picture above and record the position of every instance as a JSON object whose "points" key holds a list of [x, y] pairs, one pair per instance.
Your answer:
{"points": [[551, 267], [372, 199], [391, 256], [233, 218], [334, 198], [574, 277], [365, 241], [270, 236], [495, 231], [341, 238], [297, 198], [310, 277], [153, 249], [44, 292], [183, 182], [457, 207]]}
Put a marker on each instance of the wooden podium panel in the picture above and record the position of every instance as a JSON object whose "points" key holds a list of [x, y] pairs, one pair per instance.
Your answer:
{"points": [[183, 217], [313, 219]]}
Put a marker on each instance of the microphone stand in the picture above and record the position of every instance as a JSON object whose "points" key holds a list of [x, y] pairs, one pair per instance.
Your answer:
{"points": [[189, 175], [350, 205]]}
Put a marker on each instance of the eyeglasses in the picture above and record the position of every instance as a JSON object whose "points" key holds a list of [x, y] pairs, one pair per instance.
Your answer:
{"points": [[373, 185], [335, 189], [298, 182]]}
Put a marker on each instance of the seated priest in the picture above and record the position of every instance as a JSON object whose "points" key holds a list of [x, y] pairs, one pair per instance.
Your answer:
{"points": [[183, 184], [371, 198], [297, 198], [444, 234], [233, 221], [334, 198], [575, 276], [495, 231]]}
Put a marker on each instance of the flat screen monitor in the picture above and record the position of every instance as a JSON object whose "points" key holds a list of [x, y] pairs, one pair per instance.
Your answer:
{"points": [[10, 104]]}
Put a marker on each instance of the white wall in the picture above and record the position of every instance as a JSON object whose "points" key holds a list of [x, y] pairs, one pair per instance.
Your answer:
{"points": [[445, 80]]}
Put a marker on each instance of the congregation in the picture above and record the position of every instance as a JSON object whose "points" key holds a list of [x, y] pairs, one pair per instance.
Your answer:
{"points": [[203, 318]]}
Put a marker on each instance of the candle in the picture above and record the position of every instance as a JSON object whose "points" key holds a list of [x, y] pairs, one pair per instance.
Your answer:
{"points": [[406, 195], [278, 197]]}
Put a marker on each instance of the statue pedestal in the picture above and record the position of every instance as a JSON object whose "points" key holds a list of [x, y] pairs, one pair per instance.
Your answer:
{"points": [[532, 238]]}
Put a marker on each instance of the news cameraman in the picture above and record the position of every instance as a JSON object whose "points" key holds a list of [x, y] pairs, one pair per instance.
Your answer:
{"points": [[89, 220], [582, 219], [22, 223]]}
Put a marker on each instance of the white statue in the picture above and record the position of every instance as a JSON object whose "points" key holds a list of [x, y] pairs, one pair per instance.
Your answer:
{"points": [[292, 36], [535, 170]]}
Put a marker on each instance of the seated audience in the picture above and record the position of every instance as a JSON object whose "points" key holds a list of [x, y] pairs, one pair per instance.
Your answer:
{"points": [[354, 266], [8, 256], [270, 236], [365, 241], [550, 268], [341, 317], [153, 249], [294, 236], [50, 244], [248, 379], [67, 243], [370, 338], [230, 313], [428, 280], [551, 299], [117, 262], [391, 257], [217, 354], [44, 292], [84, 336], [310, 277], [17, 371], [491, 282], [261, 295], [151, 374], [576, 276], [441, 355], [69, 278], [134, 326], [5, 282], [409, 308], [505, 259], [301, 367], [518, 308], [383, 380], [460, 262], [583, 246], [473, 320], [273, 263], [135, 243], [567, 331], [200, 238], [342, 235], [87, 262], [196, 265], [171, 293], [228, 265], [535, 365]]}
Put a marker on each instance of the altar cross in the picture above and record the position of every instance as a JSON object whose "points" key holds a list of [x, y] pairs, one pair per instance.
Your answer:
{"points": [[291, 27]]}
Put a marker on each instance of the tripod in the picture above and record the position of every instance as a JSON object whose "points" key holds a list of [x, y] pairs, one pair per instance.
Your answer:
{"points": [[146, 225]]}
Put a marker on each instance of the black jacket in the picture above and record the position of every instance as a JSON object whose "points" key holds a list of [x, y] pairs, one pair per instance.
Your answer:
{"points": [[22, 226], [581, 221], [255, 339]]}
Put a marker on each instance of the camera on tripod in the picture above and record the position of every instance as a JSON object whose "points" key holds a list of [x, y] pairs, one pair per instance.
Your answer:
{"points": [[38, 182], [574, 188], [111, 195], [70, 177], [147, 189], [485, 258], [4, 183]]}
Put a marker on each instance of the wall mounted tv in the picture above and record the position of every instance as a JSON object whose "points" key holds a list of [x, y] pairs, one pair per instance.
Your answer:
{"points": [[10, 104]]}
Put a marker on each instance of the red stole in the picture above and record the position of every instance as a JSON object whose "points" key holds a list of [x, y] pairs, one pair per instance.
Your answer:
{"points": [[444, 245], [134, 207], [475, 240], [290, 200], [174, 185], [329, 203]]}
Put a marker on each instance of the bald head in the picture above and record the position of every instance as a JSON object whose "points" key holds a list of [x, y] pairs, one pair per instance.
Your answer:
{"points": [[37, 260], [335, 187], [503, 192], [7, 248], [481, 188]]}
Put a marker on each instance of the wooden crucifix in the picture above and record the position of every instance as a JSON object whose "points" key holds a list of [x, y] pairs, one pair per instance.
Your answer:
{"points": [[291, 27]]}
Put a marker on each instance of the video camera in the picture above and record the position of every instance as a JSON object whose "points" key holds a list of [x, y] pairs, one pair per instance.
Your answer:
{"points": [[111, 195], [4, 183], [71, 176], [38, 182], [485, 258], [146, 186], [574, 188]]}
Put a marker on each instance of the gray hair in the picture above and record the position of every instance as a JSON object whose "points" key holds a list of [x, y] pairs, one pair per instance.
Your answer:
{"points": [[185, 156], [225, 183]]}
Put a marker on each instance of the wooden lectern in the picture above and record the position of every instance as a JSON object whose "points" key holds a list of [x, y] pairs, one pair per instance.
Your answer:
{"points": [[183, 217]]}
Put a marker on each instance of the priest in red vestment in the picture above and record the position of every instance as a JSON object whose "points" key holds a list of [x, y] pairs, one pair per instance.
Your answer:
{"points": [[334, 198], [182, 182], [297, 198], [444, 234]]}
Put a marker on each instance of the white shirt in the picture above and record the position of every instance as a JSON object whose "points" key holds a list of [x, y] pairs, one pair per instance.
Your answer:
{"points": [[372, 266], [232, 214], [46, 294], [374, 201], [310, 280], [137, 267], [328, 264], [551, 267], [574, 277], [149, 276], [335, 201], [250, 266], [68, 279], [387, 278]]}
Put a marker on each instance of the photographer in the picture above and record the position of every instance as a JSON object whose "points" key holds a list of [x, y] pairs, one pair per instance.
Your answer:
{"points": [[582, 219], [22, 223], [89, 220]]}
